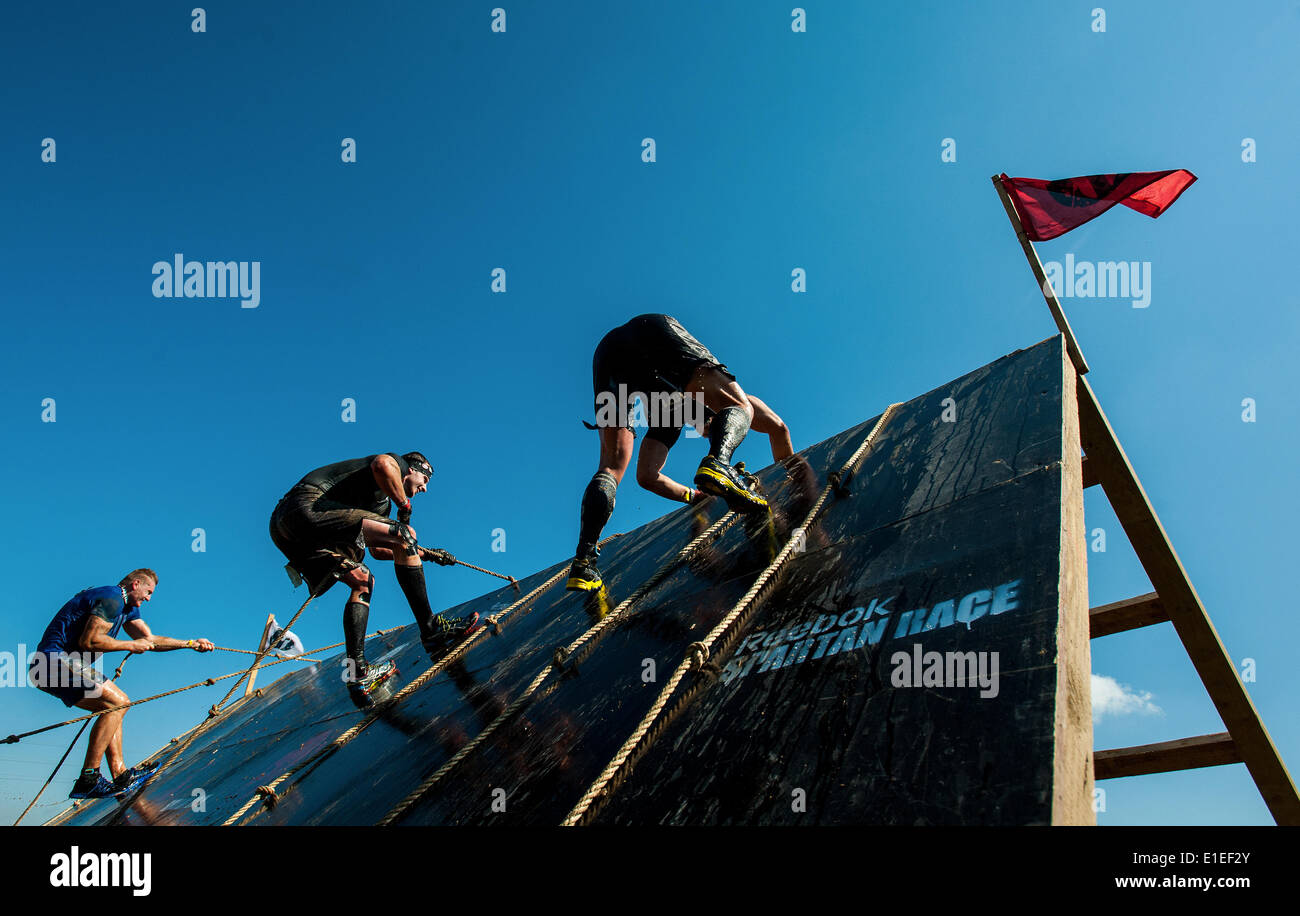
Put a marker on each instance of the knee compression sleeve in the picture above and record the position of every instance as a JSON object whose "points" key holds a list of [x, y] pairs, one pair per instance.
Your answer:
{"points": [[597, 507], [727, 431], [411, 580], [402, 533]]}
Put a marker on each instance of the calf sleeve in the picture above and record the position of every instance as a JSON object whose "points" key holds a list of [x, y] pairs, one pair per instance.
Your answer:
{"points": [[727, 431], [597, 507], [355, 616], [411, 580]]}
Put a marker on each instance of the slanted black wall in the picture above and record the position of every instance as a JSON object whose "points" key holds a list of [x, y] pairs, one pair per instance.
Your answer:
{"points": [[954, 525]]}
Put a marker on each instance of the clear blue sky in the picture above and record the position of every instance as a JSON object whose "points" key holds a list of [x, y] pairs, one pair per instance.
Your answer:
{"points": [[522, 150]]}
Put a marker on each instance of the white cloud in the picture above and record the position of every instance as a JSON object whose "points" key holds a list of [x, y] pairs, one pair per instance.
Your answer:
{"points": [[1111, 698]]}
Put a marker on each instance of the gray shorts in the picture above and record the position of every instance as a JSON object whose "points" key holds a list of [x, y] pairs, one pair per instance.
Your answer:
{"points": [[68, 676]]}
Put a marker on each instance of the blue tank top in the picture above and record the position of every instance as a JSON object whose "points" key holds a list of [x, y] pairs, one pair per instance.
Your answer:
{"points": [[107, 603]]}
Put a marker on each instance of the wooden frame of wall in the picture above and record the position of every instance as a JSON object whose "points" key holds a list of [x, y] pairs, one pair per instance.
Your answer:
{"points": [[1174, 599]]}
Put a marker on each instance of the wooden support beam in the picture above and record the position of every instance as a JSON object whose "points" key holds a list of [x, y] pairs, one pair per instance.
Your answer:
{"points": [[1167, 756], [1072, 784], [1089, 478], [252, 675], [1129, 614], [1045, 285], [1183, 605]]}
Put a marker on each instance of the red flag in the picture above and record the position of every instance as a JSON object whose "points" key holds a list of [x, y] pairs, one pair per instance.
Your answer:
{"points": [[1051, 208]]}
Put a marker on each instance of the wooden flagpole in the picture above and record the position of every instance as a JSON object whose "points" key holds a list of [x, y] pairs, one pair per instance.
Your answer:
{"points": [[1054, 304], [261, 646]]}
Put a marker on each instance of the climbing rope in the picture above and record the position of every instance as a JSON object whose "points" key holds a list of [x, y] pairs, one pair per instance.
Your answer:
{"points": [[193, 733], [270, 794], [14, 739], [262, 654], [296, 658], [448, 560], [562, 657], [698, 653], [214, 713], [511, 579]]}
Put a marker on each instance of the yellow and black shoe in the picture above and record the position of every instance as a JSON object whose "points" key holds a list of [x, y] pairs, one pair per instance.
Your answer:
{"points": [[718, 478], [584, 575], [599, 604]]}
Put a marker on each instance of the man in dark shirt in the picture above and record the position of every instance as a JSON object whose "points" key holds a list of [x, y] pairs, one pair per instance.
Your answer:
{"points": [[323, 526], [681, 383], [62, 666]]}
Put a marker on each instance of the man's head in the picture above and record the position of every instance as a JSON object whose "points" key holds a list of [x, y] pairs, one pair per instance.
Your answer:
{"points": [[417, 478], [139, 585]]}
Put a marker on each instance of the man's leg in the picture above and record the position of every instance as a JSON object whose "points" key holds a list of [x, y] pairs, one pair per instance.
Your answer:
{"points": [[356, 615], [116, 764], [732, 416], [409, 570], [732, 411], [616, 445], [106, 733], [364, 679], [722, 394], [321, 562]]}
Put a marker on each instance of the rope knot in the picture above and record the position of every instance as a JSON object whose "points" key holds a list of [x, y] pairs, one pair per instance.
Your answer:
{"points": [[212, 710], [209, 682], [699, 654], [270, 795], [494, 625]]}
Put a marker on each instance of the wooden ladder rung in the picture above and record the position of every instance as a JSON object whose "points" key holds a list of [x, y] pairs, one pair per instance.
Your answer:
{"points": [[1165, 757], [1129, 614]]}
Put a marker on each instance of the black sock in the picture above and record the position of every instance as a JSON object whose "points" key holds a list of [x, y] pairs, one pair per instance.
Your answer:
{"points": [[597, 507], [355, 616], [411, 580], [727, 431]]}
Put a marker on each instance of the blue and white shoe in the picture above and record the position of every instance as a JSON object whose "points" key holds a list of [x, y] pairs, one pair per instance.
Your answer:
{"points": [[369, 689]]}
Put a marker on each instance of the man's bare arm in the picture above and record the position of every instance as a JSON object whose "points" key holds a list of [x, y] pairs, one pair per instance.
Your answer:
{"points": [[95, 638], [140, 630], [389, 477]]}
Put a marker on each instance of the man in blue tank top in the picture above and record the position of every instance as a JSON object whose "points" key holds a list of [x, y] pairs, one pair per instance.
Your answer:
{"points": [[63, 666]]}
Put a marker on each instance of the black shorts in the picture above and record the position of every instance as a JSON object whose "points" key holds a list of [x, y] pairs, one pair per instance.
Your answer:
{"points": [[651, 354], [313, 532]]}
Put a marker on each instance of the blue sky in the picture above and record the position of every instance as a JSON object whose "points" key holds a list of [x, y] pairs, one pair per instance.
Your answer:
{"points": [[522, 150]]}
